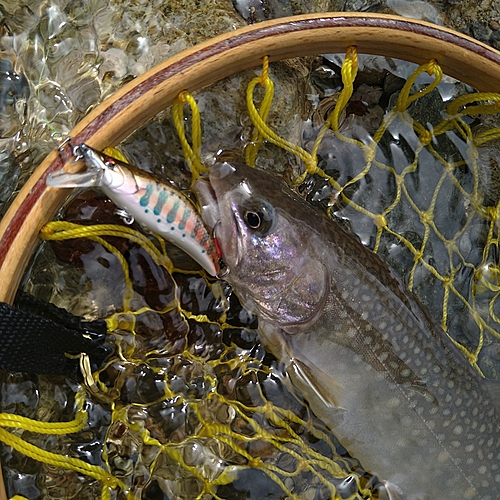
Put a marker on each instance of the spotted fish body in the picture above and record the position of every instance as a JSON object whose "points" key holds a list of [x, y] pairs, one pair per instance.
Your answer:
{"points": [[371, 362], [158, 206]]}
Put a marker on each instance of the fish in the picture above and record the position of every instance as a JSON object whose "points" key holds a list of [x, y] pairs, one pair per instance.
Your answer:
{"points": [[363, 351], [157, 205]]}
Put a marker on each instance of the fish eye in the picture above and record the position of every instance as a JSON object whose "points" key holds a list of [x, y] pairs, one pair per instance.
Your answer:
{"points": [[259, 217], [253, 219]]}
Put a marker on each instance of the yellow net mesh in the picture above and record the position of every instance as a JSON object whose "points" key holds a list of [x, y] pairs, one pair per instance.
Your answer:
{"points": [[203, 414], [274, 435]]}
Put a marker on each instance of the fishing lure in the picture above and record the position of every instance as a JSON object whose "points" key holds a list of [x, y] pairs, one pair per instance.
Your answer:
{"points": [[158, 206]]}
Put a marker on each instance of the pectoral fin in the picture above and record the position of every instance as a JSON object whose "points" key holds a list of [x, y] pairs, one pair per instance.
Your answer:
{"points": [[315, 380], [393, 491]]}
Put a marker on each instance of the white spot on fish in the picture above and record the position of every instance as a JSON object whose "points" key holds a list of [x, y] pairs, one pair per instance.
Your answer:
{"points": [[383, 356], [407, 421], [351, 332]]}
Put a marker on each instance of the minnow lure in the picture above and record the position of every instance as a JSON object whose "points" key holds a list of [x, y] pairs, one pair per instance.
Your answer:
{"points": [[158, 206]]}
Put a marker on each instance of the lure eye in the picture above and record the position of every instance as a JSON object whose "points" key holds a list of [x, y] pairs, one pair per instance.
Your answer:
{"points": [[259, 217], [110, 163]]}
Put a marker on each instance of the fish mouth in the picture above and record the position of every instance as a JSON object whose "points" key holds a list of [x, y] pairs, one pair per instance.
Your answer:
{"points": [[207, 199], [209, 190], [211, 194]]}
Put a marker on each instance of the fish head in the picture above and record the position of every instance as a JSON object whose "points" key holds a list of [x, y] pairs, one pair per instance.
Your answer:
{"points": [[259, 226], [116, 175]]}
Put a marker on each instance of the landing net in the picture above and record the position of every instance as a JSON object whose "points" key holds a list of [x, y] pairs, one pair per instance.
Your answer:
{"points": [[190, 405]]}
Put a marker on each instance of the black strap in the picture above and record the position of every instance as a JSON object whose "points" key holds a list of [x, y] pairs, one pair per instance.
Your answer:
{"points": [[35, 338]]}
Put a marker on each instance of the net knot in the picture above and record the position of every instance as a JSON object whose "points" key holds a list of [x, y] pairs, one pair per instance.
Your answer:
{"points": [[380, 221], [311, 165], [426, 137], [426, 217]]}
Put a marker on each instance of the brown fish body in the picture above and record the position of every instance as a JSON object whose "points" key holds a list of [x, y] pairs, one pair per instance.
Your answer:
{"points": [[369, 359]]}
